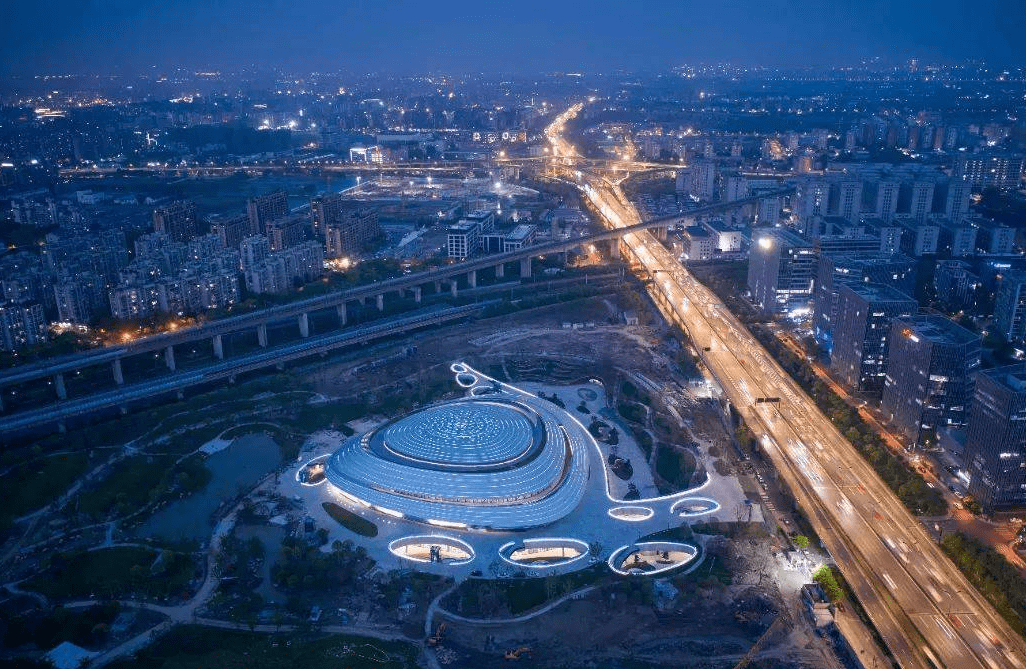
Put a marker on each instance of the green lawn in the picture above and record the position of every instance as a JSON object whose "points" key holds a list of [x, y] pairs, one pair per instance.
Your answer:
{"points": [[35, 484], [350, 520], [128, 486], [114, 573], [194, 647]]}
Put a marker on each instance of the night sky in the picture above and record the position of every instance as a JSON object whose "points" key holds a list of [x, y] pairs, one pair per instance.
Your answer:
{"points": [[511, 36]]}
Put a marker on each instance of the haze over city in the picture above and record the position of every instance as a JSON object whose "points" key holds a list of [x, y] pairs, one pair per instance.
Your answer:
{"points": [[674, 334], [125, 37]]}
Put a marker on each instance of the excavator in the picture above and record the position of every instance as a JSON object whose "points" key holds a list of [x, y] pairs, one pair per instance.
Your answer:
{"points": [[437, 638], [517, 652]]}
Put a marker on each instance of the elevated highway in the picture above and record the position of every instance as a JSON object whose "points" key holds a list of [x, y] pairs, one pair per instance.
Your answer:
{"points": [[300, 310], [229, 368], [926, 611]]}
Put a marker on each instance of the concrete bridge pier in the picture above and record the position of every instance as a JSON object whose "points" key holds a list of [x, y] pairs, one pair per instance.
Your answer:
{"points": [[262, 335], [218, 347], [304, 325], [500, 271], [416, 290], [380, 299], [438, 287], [119, 377], [343, 314], [660, 234], [453, 286], [169, 357], [614, 249], [472, 278], [58, 384], [525, 268]]}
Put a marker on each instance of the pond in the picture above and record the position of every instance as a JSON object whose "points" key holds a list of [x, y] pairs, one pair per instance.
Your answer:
{"points": [[234, 469]]}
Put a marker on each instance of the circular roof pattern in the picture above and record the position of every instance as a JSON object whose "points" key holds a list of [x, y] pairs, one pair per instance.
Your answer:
{"points": [[462, 434]]}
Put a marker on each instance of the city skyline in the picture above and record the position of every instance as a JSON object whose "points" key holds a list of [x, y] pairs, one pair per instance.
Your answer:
{"points": [[462, 37]]}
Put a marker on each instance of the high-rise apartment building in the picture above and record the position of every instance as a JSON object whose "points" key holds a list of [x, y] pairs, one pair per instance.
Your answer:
{"points": [[350, 232], [265, 208], [285, 232], [994, 170], [231, 230], [887, 192], [849, 200], [177, 221], [921, 203]]}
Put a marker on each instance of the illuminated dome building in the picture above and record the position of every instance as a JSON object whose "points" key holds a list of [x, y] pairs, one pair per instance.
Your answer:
{"points": [[499, 460]]}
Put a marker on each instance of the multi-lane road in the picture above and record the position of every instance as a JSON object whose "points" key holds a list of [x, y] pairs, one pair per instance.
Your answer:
{"points": [[926, 611]]}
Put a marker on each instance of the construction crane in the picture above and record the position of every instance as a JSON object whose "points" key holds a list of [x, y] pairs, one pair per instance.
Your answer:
{"points": [[757, 646], [437, 638], [517, 652]]}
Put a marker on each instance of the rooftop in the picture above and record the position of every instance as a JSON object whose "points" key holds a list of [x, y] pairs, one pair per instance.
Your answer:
{"points": [[938, 329]]}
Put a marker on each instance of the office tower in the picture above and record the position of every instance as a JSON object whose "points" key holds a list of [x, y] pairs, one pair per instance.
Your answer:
{"points": [[864, 314], [781, 270], [835, 271], [930, 367], [177, 221], [350, 233], [887, 193], [844, 244], [995, 447], [265, 208], [463, 239], [1010, 306], [955, 285]]}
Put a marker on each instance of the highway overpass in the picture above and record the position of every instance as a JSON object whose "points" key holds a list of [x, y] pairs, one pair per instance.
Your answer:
{"points": [[299, 312], [124, 395]]}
